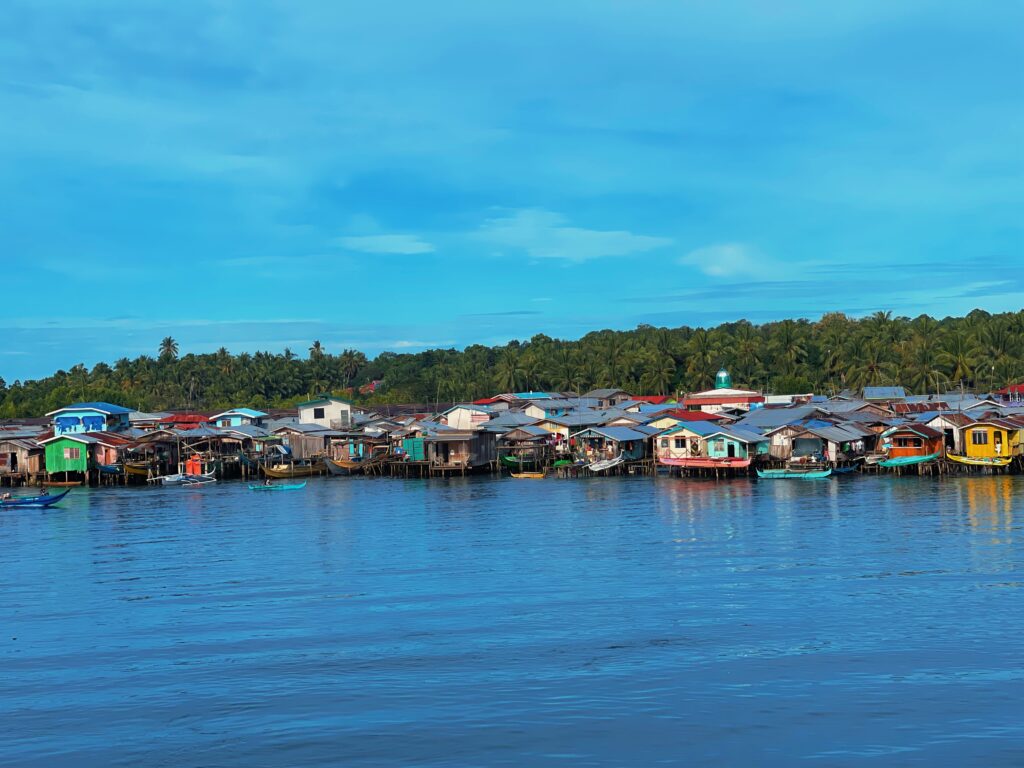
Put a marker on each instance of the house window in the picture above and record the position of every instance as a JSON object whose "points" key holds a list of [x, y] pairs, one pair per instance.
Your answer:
{"points": [[979, 437], [664, 443], [72, 454], [318, 413], [680, 442], [908, 442], [719, 445], [225, 422]]}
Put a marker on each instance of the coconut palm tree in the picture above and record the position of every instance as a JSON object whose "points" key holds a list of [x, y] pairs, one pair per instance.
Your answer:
{"points": [[168, 349]]}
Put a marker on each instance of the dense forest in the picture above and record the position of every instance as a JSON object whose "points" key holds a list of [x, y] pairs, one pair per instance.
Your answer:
{"points": [[980, 351]]}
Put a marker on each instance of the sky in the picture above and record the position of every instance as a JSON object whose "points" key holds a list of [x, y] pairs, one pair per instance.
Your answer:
{"points": [[407, 175]]}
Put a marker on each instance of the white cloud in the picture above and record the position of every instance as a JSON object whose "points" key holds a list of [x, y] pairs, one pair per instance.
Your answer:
{"points": [[546, 235], [396, 244], [726, 260]]}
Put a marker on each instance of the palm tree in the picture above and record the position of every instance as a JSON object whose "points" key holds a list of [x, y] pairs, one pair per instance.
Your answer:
{"points": [[168, 349], [316, 350]]}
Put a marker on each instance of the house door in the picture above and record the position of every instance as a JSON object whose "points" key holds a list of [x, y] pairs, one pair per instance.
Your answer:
{"points": [[999, 443], [13, 462], [731, 450], [950, 439]]}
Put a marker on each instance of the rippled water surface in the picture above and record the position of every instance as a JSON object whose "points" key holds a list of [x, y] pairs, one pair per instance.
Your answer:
{"points": [[628, 622]]}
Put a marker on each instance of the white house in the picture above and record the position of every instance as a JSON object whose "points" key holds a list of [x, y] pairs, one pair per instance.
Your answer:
{"points": [[467, 416], [326, 411]]}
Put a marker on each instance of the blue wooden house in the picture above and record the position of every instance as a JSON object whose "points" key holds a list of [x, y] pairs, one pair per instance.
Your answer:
{"points": [[239, 417], [89, 417]]}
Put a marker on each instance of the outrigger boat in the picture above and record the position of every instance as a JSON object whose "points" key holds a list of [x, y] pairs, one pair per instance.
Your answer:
{"points": [[182, 479], [41, 501], [999, 461], [279, 486], [706, 462], [793, 474], [516, 462], [528, 475], [601, 466], [907, 461]]}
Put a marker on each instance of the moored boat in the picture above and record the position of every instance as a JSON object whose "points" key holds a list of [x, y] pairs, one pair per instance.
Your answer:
{"points": [[706, 462], [601, 466], [285, 471], [341, 467], [528, 475], [793, 474], [907, 461], [1000, 461]]}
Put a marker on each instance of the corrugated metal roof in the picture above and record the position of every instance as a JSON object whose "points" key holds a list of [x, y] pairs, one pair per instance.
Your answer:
{"points": [[107, 408], [618, 434], [884, 393]]}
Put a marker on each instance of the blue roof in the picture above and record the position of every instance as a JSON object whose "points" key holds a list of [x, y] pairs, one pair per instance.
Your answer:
{"points": [[884, 393], [618, 434], [702, 428], [533, 396], [247, 412], [107, 408]]}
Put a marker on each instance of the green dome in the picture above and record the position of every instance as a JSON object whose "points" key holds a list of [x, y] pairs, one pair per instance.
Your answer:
{"points": [[723, 380]]}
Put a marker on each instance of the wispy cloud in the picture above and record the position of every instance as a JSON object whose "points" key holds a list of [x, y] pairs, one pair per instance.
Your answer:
{"points": [[547, 235], [387, 244], [725, 260]]}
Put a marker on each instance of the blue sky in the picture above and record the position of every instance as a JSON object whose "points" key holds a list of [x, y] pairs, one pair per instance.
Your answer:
{"points": [[404, 175]]}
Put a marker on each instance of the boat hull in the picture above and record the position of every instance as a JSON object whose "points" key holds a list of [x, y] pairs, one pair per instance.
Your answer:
{"points": [[792, 474], [1003, 461], [282, 472], [909, 461], [528, 475], [702, 462], [279, 487], [33, 502]]}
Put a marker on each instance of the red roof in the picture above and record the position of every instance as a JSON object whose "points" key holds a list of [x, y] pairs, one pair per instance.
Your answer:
{"points": [[185, 420], [486, 401], [1013, 389], [725, 400], [653, 399]]}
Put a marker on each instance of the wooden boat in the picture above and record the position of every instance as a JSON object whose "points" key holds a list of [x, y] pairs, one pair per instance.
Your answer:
{"points": [[342, 467], [874, 458], [110, 469], [907, 461], [285, 471], [793, 474], [139, 469], [33, 502], [279, 487], [63, 483], [1001, 461], [528, 475], [706, 462]]}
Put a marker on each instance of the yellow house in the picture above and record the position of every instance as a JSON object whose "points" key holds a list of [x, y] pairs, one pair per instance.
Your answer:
{"points": [[990, 439]]}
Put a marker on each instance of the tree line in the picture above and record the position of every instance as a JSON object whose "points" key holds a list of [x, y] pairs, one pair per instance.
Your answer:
{"points": [[980, 351]]}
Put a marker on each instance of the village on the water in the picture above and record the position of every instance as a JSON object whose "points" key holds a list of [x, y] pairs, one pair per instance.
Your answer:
{"points": [[718, 433]]}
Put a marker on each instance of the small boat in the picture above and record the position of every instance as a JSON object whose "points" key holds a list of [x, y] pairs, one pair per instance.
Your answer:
{"points": [[139, 469], [528, 475], [706, 462], [874, 458], [285, 471], [1000, 461], [601, 466], [33, 502], [180, 479], [906, 461], [793, 474], [110, 469], [197, 481], [844, 470], [279, 487], [341, 467]]}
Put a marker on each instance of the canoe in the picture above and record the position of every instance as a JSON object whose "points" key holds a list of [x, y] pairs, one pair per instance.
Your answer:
{"points": [[906, 461], [33, 502], [279, 487], [844, 470], [1001, 461], [110, 469], [706, 462], [528, 475], [564, 463], [793, 474], [284, 471], [140, 470]]}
